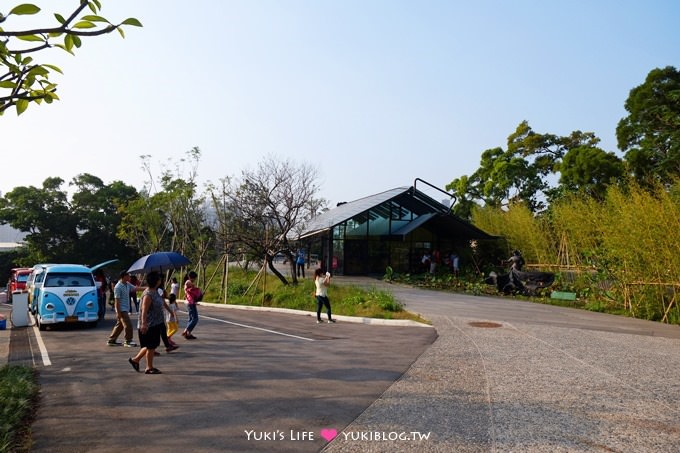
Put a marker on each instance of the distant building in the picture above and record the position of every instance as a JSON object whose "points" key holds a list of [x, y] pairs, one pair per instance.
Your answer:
{"points": [[393, 228]]}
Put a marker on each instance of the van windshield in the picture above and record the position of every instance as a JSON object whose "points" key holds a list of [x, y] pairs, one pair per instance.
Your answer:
{"points": [[56, 279], [22, 278]]}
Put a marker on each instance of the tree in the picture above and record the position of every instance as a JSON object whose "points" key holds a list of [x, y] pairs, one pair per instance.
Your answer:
{"points": [[22, 79], [172, 218], [590, 170], [519, 174], [650, 134], [95, 206], [265, 207], [80, 230]]}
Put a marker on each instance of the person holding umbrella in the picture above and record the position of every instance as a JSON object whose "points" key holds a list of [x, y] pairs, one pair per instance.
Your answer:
{"points": [[193, 295], [151, 321]]}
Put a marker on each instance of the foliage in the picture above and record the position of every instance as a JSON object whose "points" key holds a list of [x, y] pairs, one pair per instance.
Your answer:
{"points": [[521, 173], [389, 274], [79, 229], [169, 214], [623, 250], [522, 230], [525, 171], [650, 134], [22, 79], [591, 170], [19, 391]]}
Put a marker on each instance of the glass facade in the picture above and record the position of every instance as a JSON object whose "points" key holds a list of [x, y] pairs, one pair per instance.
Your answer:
{"points": [[395, 230]]}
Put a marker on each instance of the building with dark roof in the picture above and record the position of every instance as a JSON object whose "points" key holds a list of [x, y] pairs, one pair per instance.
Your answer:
{"points": [[392, 228]]}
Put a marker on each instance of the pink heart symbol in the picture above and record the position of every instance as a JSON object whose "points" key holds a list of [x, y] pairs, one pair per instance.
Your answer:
{"points": [[329, 434]]}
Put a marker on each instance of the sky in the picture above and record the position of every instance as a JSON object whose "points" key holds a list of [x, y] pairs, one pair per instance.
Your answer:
{"points": [[371, 93]]}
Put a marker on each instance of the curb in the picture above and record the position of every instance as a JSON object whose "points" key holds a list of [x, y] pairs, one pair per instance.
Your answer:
{"points": [[353, 319]]}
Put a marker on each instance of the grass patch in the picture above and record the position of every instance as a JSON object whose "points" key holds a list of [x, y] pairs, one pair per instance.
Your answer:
{"points": [[346, 300], [19, 390]]}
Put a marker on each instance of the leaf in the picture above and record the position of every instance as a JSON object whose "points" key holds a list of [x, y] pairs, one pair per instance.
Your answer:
{"points": [[61, 46], [93, 18], [30, 38], [84, 24], [60, 18], [68, 43], [39, 70], [22, 105], [76, 41], [24, 10], [120, 30], [7, 84], [132, 21], [54, 68]]}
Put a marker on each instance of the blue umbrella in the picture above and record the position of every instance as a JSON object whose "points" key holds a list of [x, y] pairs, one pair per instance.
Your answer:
{"points": [[159, 261]]}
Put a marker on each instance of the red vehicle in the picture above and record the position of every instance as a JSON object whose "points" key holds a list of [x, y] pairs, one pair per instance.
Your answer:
{"points": [[17, 280]]}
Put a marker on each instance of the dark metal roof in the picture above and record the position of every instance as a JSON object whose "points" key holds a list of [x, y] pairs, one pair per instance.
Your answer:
{"points": [[433, 215]]}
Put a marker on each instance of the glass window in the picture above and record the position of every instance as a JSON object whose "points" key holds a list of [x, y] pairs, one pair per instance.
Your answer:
{"points": [[379, 222], [357, 225], [69, 279]]}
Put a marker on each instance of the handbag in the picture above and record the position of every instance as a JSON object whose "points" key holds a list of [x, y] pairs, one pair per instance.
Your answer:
{"points": [[173, 327]]}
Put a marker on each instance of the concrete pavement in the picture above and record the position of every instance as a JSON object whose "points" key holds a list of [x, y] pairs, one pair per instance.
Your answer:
{"points": [[509, 375]]}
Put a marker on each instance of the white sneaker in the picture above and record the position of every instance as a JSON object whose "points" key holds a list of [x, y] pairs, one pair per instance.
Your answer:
{"points": [[130, 344], [331, 321]]}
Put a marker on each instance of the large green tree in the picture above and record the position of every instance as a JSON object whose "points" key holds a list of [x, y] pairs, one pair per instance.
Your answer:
{"points": [[650, 134], [521, 173], [81, 229], [96, 206], [22, 78], [591, 170]]}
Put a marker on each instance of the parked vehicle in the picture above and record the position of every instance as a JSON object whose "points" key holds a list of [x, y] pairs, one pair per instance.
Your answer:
{"points": [[62, 293], [17, 280]]}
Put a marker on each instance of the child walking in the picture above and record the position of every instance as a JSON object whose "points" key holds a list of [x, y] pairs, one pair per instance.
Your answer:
{"points": [[171, 319]]}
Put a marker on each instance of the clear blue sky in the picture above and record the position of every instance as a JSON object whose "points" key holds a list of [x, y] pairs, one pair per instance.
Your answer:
{"points": [[372, 93]]}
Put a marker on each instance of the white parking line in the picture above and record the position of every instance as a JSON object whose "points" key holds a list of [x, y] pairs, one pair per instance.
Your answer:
{"points": [[43, 350], [257, 328]]}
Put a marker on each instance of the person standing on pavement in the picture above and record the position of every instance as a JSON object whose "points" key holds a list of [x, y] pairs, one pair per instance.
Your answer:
{"points": [[174, 287], [171, 321], [100, 281], [300, 263], [193, 295], [169, 344], [322, 282], [121, 305], [151, 321], [133, 294]]}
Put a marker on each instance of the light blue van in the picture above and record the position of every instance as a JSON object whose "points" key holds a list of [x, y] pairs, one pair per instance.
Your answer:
{"points": [[62, 293]]}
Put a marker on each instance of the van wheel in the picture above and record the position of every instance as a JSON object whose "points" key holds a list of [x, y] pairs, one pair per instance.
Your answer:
{"points": [[41, 326], [92, 324]]}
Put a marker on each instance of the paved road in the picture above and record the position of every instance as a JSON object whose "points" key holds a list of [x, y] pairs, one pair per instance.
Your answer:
{"points": [[545, 379], [503, 375], [252, 381]]}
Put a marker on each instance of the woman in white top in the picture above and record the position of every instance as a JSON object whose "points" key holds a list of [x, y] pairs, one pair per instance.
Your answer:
{"points": [[174, 287], [322, 283]]}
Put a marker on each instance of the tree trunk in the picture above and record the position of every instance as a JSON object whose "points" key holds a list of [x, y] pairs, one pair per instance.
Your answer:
{"points": [[292, 259], [270, 265]]}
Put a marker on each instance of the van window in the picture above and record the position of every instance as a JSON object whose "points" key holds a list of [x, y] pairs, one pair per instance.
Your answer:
{"points": [[56, 279]]}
